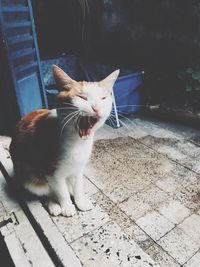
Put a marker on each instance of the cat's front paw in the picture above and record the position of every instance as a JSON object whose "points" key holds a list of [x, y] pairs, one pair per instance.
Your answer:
{"points": [[54, 208], [68, 210], [84, 205]]}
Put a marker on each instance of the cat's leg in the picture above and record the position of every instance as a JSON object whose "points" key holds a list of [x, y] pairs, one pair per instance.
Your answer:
{"points": [[60, 192], [53, 208], [81, 201]]}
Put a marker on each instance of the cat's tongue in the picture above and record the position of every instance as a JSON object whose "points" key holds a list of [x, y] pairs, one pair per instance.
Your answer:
{"points": [[85, 132], [85, 126]]}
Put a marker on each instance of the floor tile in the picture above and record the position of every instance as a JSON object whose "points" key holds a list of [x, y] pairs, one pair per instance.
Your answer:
{"points": [[109, 246], [139, 236], [174, 211], [194, 261], [112, 210], [191, 226], [89, 187], [81, 223], [179, 245], [155, 225], [161, 257], [189, 196], [140, 203]]}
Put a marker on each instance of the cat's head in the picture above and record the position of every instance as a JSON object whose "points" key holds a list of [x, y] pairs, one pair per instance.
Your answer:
{"points": [[92, 99]]}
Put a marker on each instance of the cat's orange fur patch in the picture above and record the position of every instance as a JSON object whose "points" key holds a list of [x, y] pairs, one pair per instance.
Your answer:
{"points": [[34, 135], [70, 90], [31, 119]]}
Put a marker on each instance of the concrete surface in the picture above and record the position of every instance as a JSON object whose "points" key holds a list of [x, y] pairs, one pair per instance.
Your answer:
{"points": [[144, 182]]}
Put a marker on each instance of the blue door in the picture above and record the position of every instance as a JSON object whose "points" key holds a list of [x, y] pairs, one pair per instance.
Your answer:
{"points": [[20, 43]]}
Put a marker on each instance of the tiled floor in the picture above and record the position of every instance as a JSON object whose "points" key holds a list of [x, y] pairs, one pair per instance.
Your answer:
{"points": [[144, 181], [149, 184]]}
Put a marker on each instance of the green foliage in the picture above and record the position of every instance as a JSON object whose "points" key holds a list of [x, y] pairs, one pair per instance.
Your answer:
{"points": [[190, 78]]}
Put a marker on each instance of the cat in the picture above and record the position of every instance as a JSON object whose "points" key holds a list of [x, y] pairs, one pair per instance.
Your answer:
{"points": [[50, 148]]}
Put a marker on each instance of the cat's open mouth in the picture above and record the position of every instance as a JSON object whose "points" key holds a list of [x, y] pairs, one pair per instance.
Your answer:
{"points": [[86, 124]]}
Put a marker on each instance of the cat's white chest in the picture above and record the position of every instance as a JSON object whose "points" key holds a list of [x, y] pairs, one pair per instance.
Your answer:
{"points": [[80, 152], [76, 156]]}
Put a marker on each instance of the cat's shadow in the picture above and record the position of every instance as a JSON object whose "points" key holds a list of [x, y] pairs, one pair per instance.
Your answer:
{"points": [[17, 193], [20, 195]]}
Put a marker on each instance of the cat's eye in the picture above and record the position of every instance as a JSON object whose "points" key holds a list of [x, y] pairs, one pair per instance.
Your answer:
{"points": [[83, 97], [103, 98]]}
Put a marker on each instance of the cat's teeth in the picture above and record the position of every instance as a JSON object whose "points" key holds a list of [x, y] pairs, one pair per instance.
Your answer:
{"points": [[86, 126]]}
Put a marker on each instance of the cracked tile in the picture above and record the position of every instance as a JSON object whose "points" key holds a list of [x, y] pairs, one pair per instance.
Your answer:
{"points": [[139, 236], [81, 223], [109, 246], [161, 257]]}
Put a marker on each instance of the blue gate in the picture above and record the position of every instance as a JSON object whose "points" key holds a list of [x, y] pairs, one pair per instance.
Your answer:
{"points": [[23, 62]]}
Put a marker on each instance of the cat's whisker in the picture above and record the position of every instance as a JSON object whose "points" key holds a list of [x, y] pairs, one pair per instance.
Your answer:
{"points": [[69, 115], [67, 108], [127, 127], [120, 114], [120, 106], [125, 117], [74, 115], [124, 124], [111, 118], [131, 131], [74, 109], [77, 122], [79, 118], [66, 117], [111, 121]]}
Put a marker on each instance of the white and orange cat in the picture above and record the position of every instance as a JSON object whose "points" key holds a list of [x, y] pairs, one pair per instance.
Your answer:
{"points": [[50, 148]]}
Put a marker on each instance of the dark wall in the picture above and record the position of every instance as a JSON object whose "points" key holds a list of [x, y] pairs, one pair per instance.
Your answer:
{"points": [[151, 34], [9, 112]]}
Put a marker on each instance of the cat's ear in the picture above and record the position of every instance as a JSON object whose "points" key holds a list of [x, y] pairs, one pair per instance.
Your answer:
{"points": [[111, 79], [61, 78]]}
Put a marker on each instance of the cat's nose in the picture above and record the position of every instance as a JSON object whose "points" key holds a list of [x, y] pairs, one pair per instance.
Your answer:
{"points": [[95, 109]]}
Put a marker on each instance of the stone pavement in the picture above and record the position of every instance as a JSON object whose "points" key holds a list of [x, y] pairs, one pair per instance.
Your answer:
{"points": [[143, 179]]}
